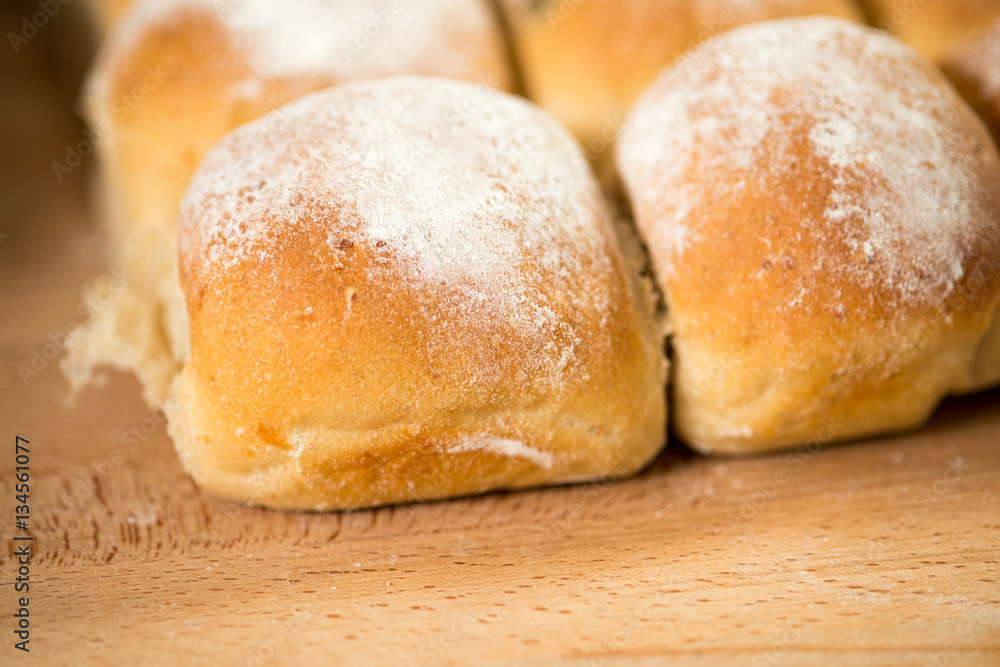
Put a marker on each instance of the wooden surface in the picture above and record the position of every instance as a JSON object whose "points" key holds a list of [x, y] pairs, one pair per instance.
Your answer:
{"points": [[878, 553]]}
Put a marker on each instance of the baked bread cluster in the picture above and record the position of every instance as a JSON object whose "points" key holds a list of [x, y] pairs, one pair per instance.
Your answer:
{"points": [[366, 271]]}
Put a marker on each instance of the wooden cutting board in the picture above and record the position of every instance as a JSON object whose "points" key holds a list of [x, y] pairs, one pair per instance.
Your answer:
{"points": [[878, 553]]}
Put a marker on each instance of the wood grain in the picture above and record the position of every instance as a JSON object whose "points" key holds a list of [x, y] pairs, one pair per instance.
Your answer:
{"points": [[878, 553]]}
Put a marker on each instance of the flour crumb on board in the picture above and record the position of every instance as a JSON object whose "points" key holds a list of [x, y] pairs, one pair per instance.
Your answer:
{"points": [[505, 447]]}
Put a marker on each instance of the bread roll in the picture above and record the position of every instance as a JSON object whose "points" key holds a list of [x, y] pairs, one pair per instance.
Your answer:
{"points": [[974, 68], [178, 74], [933, 27], [586, 62], [405, 289], [822, 211]]}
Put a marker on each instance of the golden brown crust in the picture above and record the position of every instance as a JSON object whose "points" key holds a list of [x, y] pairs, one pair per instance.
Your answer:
{"points": [[328, 370], [586, 62], [933, 27], [821, 281]]}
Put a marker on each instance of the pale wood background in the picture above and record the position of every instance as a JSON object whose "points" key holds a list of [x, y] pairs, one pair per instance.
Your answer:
{"points": [[877, 553]]}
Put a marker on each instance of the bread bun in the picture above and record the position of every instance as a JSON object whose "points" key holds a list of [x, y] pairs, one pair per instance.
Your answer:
{"points": [[822, 212], [176, 75], [586, 62], [974, 68], [933, 27], [404, 289]]}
